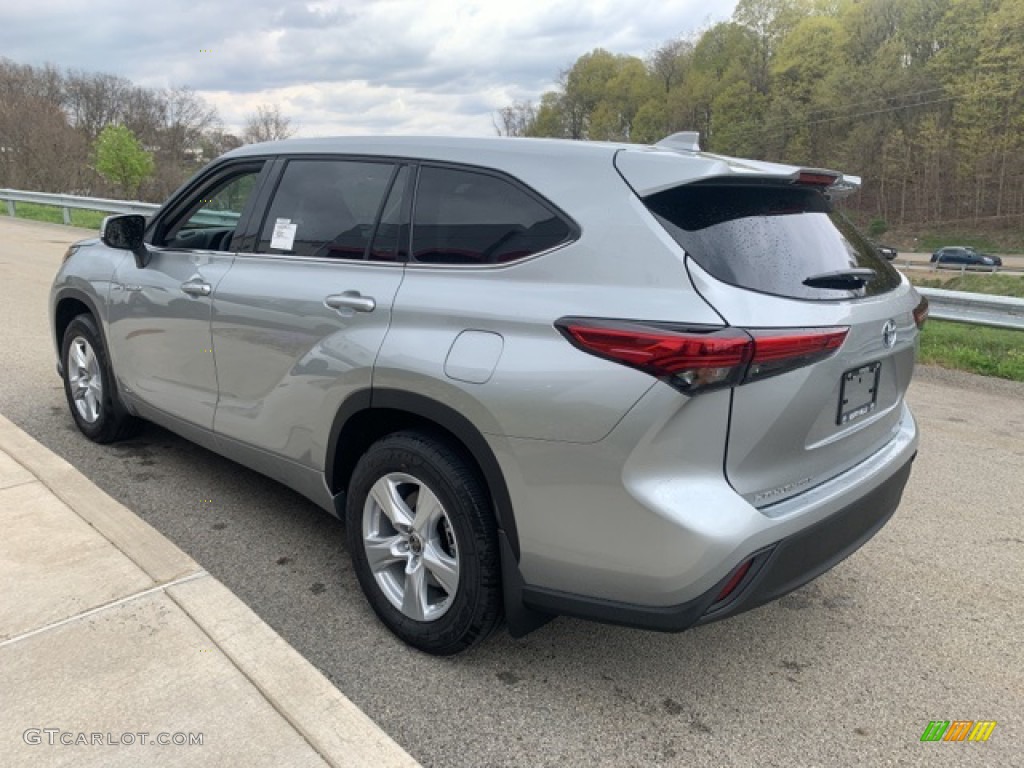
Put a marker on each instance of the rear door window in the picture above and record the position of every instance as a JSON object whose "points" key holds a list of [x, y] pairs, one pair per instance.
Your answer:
{"points": [[769, 238], [325, 208], [468, 217]]}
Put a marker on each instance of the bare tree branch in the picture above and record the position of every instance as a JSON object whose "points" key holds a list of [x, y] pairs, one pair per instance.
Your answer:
{"points": [[266, 124]]}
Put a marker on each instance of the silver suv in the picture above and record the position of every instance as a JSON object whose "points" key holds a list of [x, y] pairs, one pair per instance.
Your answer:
{"points": [[641, 385]]}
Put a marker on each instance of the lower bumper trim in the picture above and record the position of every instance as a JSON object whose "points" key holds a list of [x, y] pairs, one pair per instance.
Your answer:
{"points": [[780, 569]]}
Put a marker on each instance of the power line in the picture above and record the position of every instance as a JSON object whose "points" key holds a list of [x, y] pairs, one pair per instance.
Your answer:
{"points": [[751, 130], [879, 98], [879, 111]]}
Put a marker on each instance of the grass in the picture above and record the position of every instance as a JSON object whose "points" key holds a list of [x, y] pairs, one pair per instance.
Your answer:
{"points": [[992, 284], [988, 351], [1001, 240], [54, 215], [933, 241]]}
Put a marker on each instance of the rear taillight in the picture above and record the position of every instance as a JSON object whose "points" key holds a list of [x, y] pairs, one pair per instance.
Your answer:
{"points": [[921, 312], [777, 351], [690, 359], [700, 359]]}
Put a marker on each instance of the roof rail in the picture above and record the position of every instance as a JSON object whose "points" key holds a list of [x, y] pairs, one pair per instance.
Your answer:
{"points": [[684, 141]]}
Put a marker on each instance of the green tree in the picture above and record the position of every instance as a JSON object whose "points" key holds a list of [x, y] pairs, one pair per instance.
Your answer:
{"points": [[121, 159], [723, 65], [601, 95], [803, 68], [738, 120], [550, 121], [623, 95], [810, 53], [584, 86], [980, 65], [651, 122], [668, 62], [769, 21]]}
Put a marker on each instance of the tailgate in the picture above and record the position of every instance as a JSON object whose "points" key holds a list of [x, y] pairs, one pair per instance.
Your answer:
{"points": [[790, 432], [773, 257]]}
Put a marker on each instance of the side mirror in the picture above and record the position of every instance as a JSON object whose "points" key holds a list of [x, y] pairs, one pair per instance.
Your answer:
{"points": [[125, 233]]}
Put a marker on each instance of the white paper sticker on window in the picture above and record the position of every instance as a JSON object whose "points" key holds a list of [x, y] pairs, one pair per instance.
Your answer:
{"points": [[284, 234]]}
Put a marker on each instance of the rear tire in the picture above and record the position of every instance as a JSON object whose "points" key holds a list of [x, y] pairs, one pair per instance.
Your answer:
{"points": [[89, 384], [423, 539]]}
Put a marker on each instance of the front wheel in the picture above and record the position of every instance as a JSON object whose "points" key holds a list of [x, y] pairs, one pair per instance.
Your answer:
{"points": [[89, 384], [423, 540]]}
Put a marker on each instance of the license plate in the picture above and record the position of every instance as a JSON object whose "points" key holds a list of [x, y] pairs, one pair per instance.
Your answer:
{"points": [[858, 393]]}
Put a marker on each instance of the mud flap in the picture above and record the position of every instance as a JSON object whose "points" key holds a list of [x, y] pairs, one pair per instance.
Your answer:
{"points": [[521, 620]]}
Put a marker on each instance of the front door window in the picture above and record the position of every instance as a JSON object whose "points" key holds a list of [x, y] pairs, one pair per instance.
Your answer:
{"points": [[210, 221]]}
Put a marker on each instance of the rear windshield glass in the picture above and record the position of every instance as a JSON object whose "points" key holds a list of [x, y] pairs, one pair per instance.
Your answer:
{"points": [[769, 238]]}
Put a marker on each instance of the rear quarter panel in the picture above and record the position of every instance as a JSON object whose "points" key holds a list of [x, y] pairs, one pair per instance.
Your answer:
{"points": [[542, 387]]}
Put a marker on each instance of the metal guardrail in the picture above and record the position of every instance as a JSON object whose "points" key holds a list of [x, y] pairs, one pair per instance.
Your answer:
{"points": [[963, 269], [975, 308], [104, 205], [67, 202]]}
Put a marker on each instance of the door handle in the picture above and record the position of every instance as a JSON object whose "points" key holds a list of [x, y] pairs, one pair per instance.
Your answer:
{"points": [[351, 300], [196, 287]]}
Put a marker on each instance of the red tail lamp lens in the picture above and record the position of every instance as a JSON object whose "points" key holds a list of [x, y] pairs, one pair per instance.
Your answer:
{"points": [[734, 582], [690, 360], [921, 312], [694, 360], [777, 352]]}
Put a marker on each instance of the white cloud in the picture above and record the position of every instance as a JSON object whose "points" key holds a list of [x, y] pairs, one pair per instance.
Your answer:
{"points": [[376, 66]]}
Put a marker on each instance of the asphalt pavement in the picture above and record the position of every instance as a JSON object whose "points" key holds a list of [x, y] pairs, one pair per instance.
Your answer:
{"points": [[924, 623]]}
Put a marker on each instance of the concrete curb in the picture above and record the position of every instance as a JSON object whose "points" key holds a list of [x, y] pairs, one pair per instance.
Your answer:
{"points": [[331, 724], [139, 541]]}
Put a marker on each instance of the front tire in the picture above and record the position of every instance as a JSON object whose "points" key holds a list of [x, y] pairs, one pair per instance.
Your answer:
{"points": [[423, 540], [89, 384]]}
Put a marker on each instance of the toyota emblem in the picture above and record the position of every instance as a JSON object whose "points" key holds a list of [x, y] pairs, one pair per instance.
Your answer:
{"points": [[889, 334]]}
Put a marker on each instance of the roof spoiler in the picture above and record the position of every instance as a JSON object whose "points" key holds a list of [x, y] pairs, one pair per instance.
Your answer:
{"points": [[845, 185], [833, 184]]}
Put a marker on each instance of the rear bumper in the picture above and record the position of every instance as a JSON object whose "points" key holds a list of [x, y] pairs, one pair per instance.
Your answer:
{"points": [[776, 569]]}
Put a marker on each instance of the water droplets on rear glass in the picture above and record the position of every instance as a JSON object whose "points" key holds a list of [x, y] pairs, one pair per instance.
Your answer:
{"points": [[768, 238]]}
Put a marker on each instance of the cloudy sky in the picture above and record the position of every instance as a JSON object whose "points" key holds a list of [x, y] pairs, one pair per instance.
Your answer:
{"points": [[346, 66]]}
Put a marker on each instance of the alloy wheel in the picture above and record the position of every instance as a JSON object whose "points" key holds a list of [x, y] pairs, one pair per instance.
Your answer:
{"points": [[410, 546], [85, 379]]}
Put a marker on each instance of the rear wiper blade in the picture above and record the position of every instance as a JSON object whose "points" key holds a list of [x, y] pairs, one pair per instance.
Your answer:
{"points": [[843, 279]]}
